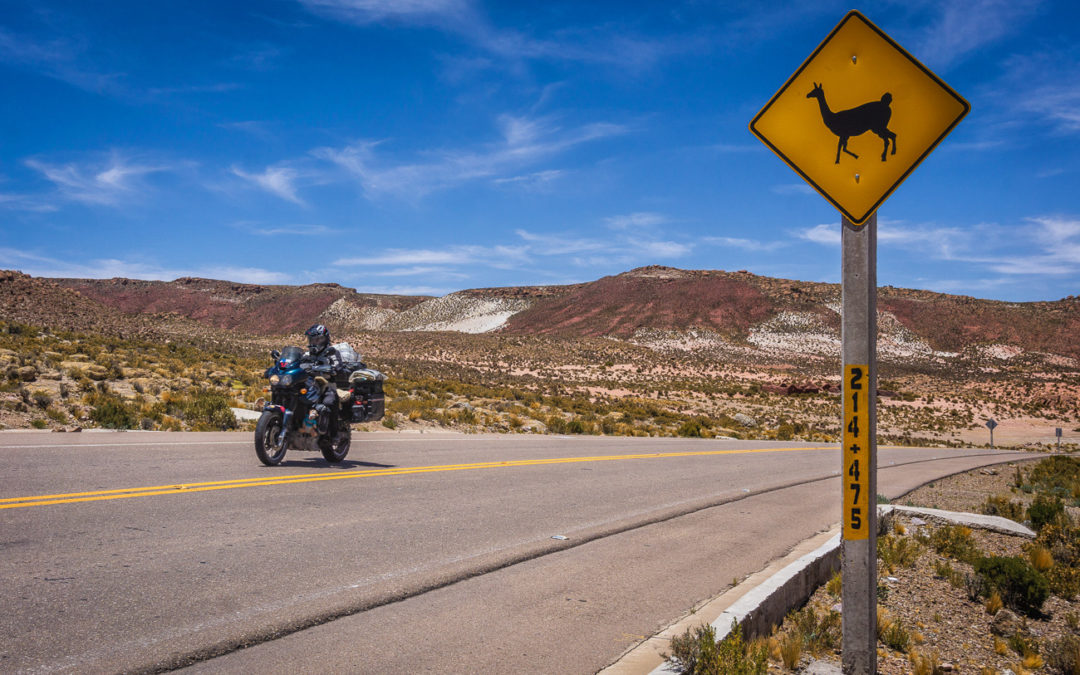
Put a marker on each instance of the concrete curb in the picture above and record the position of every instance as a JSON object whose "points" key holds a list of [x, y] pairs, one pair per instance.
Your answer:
{"points": [[764, 599], [243, 414], [992, 523]]}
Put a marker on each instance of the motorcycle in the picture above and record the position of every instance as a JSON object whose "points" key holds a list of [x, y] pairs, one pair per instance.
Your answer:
{"points": [[290, 421]]}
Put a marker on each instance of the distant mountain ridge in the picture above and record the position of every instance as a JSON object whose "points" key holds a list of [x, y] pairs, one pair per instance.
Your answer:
{"points": [[648, 301]]}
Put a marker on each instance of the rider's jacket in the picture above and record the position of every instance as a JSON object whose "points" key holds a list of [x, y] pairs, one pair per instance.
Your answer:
{"points": [[328, 357]]}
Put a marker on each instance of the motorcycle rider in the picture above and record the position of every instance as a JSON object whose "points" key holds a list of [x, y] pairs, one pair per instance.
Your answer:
{"points": [[323, 395]]}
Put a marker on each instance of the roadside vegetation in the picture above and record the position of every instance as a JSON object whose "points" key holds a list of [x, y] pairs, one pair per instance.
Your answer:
{"points": [[954, 599], [492, 383]]}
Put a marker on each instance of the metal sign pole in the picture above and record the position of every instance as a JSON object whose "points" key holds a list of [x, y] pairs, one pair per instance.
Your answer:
{"points": [[859, 451]]}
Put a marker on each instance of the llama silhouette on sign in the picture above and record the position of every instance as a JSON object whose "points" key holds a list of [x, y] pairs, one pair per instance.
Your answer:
{"points": [[873, 116]]}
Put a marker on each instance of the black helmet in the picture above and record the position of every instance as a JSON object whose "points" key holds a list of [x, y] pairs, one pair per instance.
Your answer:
{"points": [[318, 339]]}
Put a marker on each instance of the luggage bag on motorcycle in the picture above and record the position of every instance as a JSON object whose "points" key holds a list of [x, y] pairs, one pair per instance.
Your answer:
{"points": [[368, 400]]}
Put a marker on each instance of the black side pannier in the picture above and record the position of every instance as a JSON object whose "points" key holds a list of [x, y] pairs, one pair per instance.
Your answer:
{"points": [[368, 401]]}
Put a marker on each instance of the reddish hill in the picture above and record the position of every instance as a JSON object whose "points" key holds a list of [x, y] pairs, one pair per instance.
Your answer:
{"points": [[43, 302], [653, 297], [246, 308], [950, 323], [729, 303]]}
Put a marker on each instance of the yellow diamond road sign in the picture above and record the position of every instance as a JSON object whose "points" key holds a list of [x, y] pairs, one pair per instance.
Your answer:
{"points": [[858, 116]]}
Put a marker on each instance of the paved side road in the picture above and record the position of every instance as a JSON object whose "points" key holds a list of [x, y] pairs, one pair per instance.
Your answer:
{"points": [[418, 553]]}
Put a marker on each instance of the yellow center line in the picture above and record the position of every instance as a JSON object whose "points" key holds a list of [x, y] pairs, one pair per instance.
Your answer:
{"points": [[184, 488]]}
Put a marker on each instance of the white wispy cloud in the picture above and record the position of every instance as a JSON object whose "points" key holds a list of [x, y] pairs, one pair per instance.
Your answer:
{"points": [[420, 271], [493, 256], [554, 244], [524, 142], [39, 265], [532, 181], [624, 247], [62, 58], [961, 28], [108, 182], [637, 219], [277, 180], [363, 12], [792, 189], [665, 250], [735, 148], [1041, 246], [303, 229], [827, 234], [1043, 87], [23, 202], [435, 291], [746, 244], [605, 44]]}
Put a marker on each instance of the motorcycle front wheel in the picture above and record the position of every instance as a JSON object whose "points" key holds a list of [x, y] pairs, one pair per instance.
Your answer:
{"points": [[267, 431], [336, 453]]}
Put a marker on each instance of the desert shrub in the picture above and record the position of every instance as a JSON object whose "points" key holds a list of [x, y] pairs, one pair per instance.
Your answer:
{"points": [[921, 664], [56, 414], [1023, 646], [694, 428], [1064, 581], [785, 432], [1058, 474], [993, 603], [556, 424], [896, 551], [1063, 542], [835, 585], [110, 411], [1000, 505], [944, 570], [1063, 655], [1021, 587], [389, 422], [696, 652], [209, 409], [1041, 558], [896, 636], [956, 542], [39, 424], [1047, 510], [818, 632], [976, 587], [791, 650], [576, 426], [41, 399]]}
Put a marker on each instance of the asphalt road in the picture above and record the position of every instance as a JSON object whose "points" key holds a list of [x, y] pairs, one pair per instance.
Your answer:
{"points": [[124, 552]]}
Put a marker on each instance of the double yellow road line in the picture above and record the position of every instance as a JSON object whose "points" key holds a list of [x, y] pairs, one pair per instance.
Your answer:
{"points": [[186, 488]]}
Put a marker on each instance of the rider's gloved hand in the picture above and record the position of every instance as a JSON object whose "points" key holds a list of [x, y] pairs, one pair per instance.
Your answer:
{"points": [[320, 407]]}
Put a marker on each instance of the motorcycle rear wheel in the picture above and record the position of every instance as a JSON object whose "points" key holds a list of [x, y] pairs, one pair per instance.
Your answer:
{"points": [[336, 453], [267, 448]]}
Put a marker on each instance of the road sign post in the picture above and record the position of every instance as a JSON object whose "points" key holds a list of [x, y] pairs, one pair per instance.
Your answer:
{"points": [[874, 113], [991, 424], [859, 452]]}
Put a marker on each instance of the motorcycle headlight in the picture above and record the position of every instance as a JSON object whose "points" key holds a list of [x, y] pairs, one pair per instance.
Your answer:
{"points": [[274, 379], [287, 381]]}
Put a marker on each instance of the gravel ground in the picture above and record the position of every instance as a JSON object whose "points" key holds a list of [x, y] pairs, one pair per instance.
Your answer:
{"points": [[940, 618]]}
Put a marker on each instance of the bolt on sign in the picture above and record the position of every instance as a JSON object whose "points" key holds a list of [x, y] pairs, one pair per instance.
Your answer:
{"points": [[858, 116]]}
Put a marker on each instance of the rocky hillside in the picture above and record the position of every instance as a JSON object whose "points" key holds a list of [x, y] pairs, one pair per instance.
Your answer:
{"points": [[246, 308], [660, 307], [655, 351]]}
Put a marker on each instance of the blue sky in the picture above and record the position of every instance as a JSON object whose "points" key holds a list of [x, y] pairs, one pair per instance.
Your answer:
{"points": [[427, 146]]}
